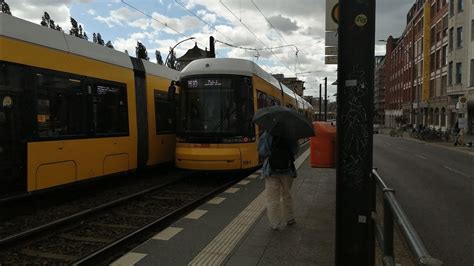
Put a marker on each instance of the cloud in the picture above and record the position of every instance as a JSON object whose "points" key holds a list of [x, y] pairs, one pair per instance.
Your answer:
{"points": [[118, 17], [33, 10], [91, 12], [283, 24]]}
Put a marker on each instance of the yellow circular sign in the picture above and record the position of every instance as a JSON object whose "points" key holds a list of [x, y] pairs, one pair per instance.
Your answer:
{"points": [[335, 13], [361, 20]]}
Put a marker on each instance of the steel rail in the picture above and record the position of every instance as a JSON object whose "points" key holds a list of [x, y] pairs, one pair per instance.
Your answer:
{"points": [[99, 255], [39, 229], [393, 211]]}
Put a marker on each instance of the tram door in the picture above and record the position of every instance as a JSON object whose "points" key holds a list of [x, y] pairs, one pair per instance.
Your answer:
{"points": [[12, 142]]}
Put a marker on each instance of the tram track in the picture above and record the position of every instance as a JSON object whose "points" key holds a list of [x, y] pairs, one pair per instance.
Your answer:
{"points": [[94, 235]]}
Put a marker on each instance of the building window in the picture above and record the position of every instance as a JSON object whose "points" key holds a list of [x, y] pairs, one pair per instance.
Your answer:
{"points": [[444, 85], [110, 108], [165, 114], [432, 62], [451, 8], [472, 30], [459, 39], [450, 40], [458, 73], [460, 5], [450, 73], [61, 106], [444, 54], [471, 82], [438, 54]]}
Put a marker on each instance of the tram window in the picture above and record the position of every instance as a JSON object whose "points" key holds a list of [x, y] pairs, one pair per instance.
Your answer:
{"points": [[165, 114], [110, 108], [61, 106], [261, 99], [11, 76]]}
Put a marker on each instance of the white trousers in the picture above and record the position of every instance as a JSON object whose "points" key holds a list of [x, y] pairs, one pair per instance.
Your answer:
{"points": [[279, 201]]}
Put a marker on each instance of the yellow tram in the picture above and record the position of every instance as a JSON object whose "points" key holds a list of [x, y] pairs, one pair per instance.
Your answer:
{"points": [[218, 98], [72, 110]]}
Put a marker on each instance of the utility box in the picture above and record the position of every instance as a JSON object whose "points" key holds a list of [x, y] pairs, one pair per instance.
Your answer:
{"points": [[323, 145]]}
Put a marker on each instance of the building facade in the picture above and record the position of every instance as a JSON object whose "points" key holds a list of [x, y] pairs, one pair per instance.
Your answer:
{"points": [[460, 85], [416, 69], [379, 89]]}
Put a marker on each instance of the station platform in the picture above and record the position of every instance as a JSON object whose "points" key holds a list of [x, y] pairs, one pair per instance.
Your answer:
{"points": [[233, 229]]}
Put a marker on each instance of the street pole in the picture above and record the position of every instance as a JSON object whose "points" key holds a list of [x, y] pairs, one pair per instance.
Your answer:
{"points": [[172, 48], [355, 188], [320, 101], [325, 99]]}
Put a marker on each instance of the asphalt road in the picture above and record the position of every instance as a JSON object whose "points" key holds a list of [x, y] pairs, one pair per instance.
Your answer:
{"points": [[435, 186]]}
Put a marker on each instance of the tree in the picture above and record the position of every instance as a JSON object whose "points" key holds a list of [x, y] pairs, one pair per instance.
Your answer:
{"points": [[100, 40], [5, 7], [126, 52], [74, 28], [159, 60], [46, 21], [109, 45], [84, 36], [94, 37], [141, 52], [171, 60]]}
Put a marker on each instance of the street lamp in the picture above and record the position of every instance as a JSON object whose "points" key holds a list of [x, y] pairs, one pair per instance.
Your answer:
{"points": [[172, 48]]}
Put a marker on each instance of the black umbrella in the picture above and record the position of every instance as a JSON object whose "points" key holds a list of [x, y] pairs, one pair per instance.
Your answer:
{"points": [[284, 122]]}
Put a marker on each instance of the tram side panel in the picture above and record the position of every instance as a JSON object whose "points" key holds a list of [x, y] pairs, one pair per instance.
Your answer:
{"points": [[62, 148], [161, 121]]}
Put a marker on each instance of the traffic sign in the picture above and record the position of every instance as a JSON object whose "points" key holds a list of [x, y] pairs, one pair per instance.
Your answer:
{"points": [[330, 50], [332, 15], [330, 38], [330, 60]]}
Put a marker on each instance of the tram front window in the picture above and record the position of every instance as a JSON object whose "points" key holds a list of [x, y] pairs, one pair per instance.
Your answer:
{"points": [[216, 107]]}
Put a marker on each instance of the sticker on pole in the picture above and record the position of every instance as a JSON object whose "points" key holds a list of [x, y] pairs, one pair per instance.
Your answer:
{"points": [[361, 20]]}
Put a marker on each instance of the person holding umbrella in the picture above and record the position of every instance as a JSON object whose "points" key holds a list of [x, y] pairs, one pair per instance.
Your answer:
{"points": [[278, 145]]}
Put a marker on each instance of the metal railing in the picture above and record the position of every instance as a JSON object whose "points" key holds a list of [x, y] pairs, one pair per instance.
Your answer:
{"points": [[392, 210]]}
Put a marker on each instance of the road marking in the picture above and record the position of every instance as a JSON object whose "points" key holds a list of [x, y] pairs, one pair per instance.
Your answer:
{"points": [[232, 190], [224, 243], [168, 233], [196, 214], [421, 157], [253, 176], [129, 259], [216, 200], [243, 182], [456, 171]]}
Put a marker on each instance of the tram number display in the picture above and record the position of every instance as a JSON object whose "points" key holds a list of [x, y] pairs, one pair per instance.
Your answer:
{"points": [[196, 83]]}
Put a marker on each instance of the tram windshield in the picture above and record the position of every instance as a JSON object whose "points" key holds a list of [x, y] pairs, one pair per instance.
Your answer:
{"points": [[216, 106]]}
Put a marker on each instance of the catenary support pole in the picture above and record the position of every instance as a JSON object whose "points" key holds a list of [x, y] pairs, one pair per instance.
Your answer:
{"points": [[355, 189], [325, 99], [320, 102]]}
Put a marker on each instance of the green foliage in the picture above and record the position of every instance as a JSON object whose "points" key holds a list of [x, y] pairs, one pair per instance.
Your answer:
{"points": [[159, 60], [171, 63], [140, 51], [46, 21], [109, 45], [74, 28], [5, 7]]}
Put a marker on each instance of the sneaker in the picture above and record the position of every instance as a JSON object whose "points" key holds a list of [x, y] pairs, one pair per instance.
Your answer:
{"points": [[291, 222]]}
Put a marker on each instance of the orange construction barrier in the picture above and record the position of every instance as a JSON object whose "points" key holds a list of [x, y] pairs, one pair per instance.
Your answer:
{"points": [[323, 145]]}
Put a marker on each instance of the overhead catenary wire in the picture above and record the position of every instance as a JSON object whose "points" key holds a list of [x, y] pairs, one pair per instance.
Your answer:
{"points": [[157, 20], [202, 20], [253, 33]]}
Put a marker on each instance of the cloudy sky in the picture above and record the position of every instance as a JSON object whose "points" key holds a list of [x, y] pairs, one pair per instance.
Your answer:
{"points": [[261, 24]]}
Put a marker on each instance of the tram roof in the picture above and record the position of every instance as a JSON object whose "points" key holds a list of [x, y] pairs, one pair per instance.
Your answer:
{"points": [[23, 30]]}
